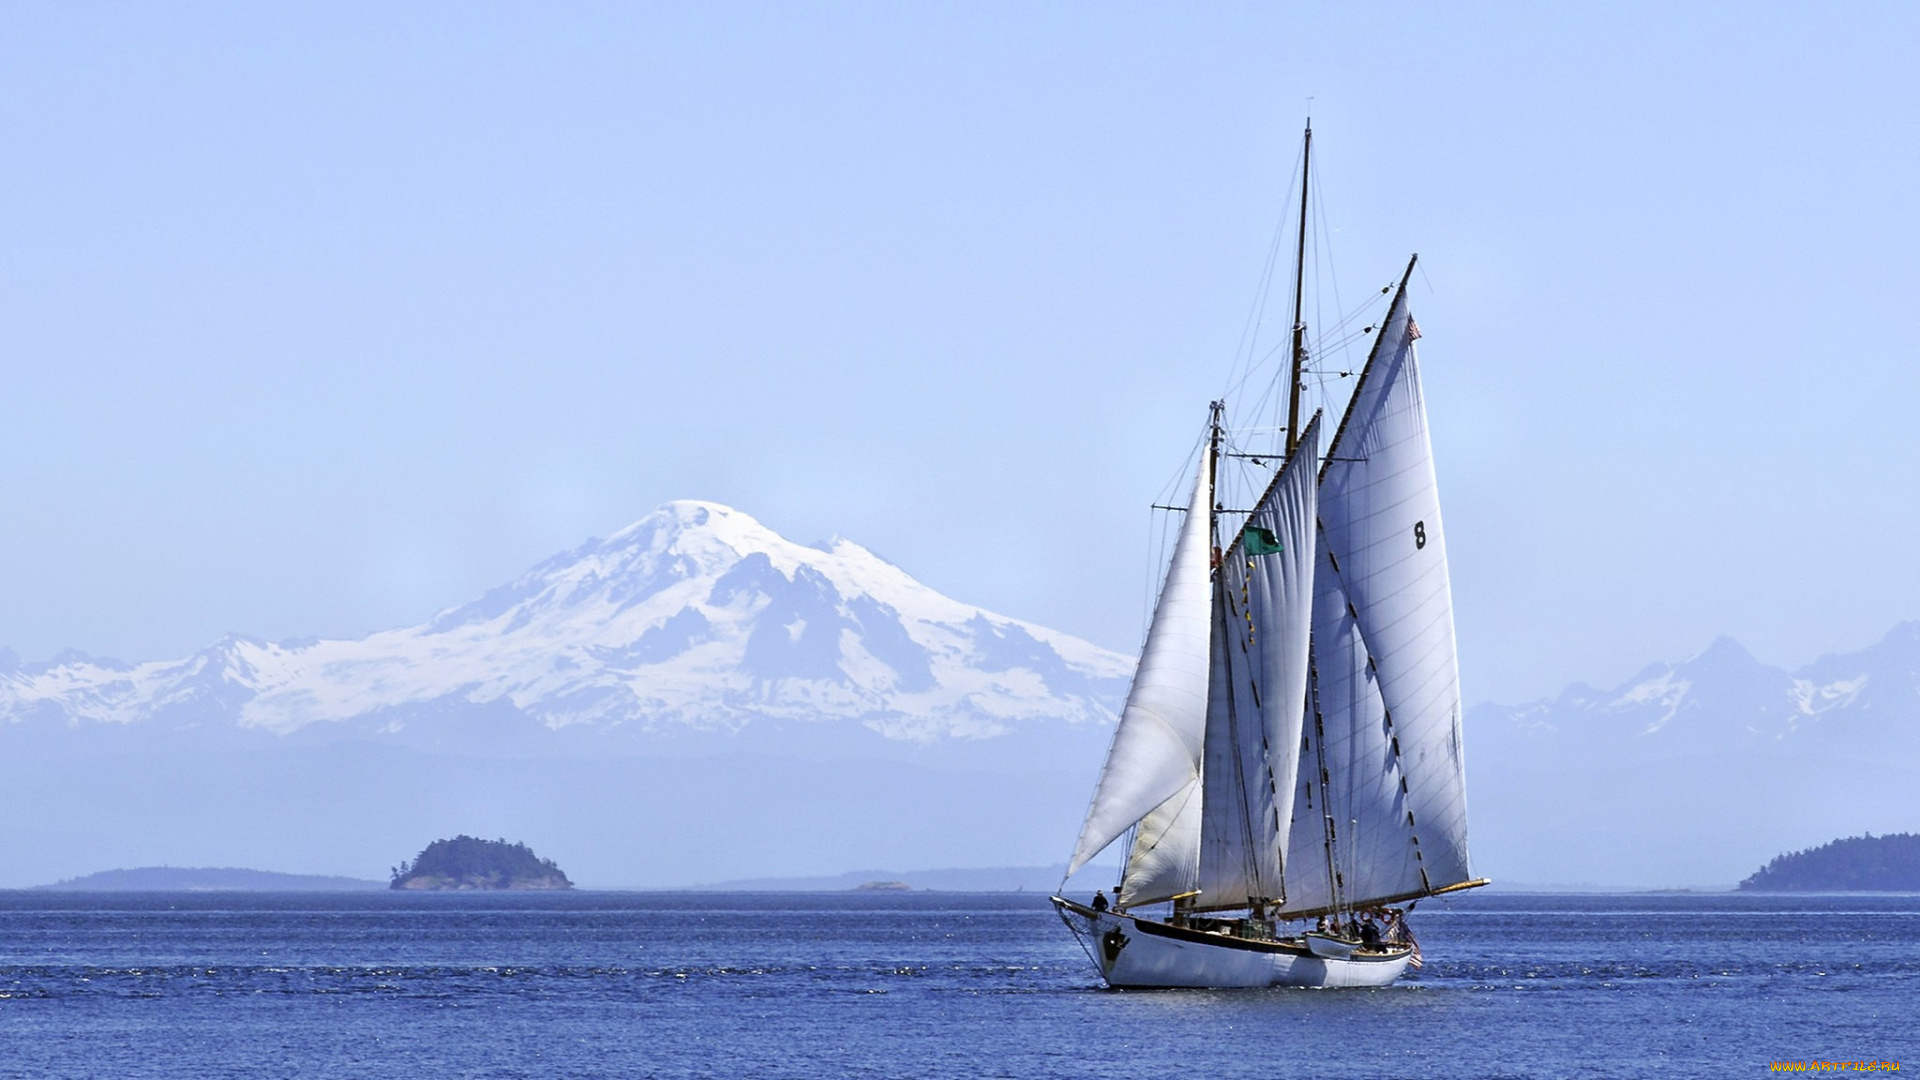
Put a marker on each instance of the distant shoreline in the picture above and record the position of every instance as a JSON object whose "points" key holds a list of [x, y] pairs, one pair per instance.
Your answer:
{"points": [[208, 879], [1012, 881]]}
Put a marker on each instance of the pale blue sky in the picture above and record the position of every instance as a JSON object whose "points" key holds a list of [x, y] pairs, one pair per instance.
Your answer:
{"points": [[315, 320]]}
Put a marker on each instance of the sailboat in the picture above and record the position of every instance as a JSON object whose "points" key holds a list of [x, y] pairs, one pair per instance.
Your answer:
{"points": [[1288, 766]]}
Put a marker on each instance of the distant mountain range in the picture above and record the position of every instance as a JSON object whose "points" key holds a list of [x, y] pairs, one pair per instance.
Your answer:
{"points": [[690, 699], [697, 699], [210, 879], [696, 618], [1693, 773]]}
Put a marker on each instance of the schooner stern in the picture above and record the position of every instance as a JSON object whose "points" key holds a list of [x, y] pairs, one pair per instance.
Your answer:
{"points": [[1290, 749]]}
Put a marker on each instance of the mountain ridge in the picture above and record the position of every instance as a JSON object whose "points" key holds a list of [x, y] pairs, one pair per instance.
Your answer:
{"points": [[208, 879], [1697, 770], [1827, 695], [696, 616]]}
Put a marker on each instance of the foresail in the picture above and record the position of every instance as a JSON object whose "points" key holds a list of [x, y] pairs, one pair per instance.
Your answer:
{"points": [[1165, 854], [1156, 747], [1387, 682], [1263, 604]]}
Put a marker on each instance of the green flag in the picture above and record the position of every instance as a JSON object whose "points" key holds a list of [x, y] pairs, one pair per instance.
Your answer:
{"points": [[1259, 541]]}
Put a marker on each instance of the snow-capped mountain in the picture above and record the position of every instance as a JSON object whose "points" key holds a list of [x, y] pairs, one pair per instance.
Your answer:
{"points": [[697, 617], [1698, 771], [1724, 699]]}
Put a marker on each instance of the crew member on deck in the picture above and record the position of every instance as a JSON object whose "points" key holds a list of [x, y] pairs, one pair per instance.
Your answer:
{"points": [[1100, 900]]}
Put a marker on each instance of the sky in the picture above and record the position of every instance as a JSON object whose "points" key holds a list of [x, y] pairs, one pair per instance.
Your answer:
{"points": [[316, 319]]}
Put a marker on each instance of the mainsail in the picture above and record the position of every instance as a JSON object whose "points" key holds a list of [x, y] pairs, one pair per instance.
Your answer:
{"points": [[1154, 761], [1262, 610], [1380, 793]]}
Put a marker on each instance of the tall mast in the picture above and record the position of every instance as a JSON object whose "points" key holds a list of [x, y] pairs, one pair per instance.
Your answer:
{"points": [[1216, 410], [1299, 283]]}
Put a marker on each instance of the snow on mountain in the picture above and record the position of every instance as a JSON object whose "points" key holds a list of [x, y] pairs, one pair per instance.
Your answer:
{"points": [[1724, 697], [1698, 771], [696, 617]]}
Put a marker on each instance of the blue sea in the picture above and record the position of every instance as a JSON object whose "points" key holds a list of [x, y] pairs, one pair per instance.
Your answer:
{"points": [[605, 984]]}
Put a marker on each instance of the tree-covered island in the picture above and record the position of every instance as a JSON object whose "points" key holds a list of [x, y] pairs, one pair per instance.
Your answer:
{"points": [[1856, 864], [466, 862]]}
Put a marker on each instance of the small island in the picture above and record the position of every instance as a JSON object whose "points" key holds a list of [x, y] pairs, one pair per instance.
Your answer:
{"points": [[467, 863], [1856, 864]]}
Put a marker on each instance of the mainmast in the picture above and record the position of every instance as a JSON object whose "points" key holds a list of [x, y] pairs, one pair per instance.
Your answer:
{"points": [[1300, 279], [1299, 285], [1216, 413]]}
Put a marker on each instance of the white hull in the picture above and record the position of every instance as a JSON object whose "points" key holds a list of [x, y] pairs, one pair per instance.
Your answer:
{"points": [[1143, 953]]}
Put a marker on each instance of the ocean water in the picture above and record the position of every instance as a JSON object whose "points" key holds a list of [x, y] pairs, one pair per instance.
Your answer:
{"points": [[919, 985]]}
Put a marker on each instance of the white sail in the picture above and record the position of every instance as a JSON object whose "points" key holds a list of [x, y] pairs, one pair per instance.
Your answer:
{"points": [[1164, 858], [1156, 748], [1387, 690], [1347, 799], [1263, 606]]}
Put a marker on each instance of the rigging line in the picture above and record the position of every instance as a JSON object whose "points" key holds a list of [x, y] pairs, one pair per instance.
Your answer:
{"points": [[1318, 345], [1359, 310], [1084, 947], [1323, 254], [1335, 356], [1260, 403], [1364, 308], [1235, 449], [1332, 344], [1255, 369], [1333, 273], [1273, 385], [1159, 554], [1150, 595], [1344, 345], [1373, 353], [1256, 317], [1172, 487], [1319, 238]]}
